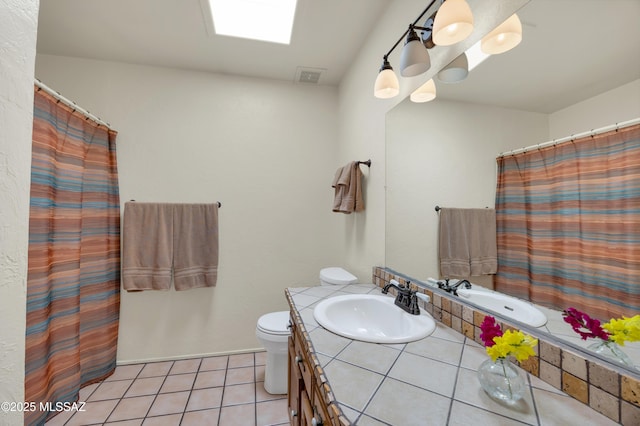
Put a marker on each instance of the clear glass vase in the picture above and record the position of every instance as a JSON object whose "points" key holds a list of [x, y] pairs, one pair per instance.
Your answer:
{"points": [[501, 380], [611, 350]]}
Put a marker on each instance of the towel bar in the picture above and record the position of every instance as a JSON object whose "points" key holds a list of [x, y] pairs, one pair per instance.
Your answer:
{"points": [[366, 163]]}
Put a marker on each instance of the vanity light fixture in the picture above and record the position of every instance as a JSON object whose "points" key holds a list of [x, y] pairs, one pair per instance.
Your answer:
{"points": [[414, 59], [453, 23], [504, 37], [456, 71], [424, 93], [387, 85]]}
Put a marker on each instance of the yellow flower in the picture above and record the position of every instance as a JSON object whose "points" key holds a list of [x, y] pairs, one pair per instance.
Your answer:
{"points": [[623, 330], [513, 343]]}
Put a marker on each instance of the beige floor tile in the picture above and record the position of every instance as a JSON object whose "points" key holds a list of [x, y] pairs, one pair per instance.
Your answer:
{"points": [[185, 366], [169, 403], [110, 390], [202, 417], [178, 382], [146, 386], [239, 394], [171, 420], [156, 369], [272, 412], [136, 422], [132, 408], [60, 419], [125, 372], [202, 399], [241, 360], [263, 395], [236, 376], [261, 358], [209, 379], [214, 363], [238, 415], [95, 412], [260, 373], [86, 391]]}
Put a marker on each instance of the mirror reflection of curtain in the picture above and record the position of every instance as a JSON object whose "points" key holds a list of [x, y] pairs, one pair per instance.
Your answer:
{"points": [[73, 281], [568, 224]]}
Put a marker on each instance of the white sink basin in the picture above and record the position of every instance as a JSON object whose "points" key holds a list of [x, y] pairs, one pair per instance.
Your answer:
{"points": [[504, 305], [372, 318]]}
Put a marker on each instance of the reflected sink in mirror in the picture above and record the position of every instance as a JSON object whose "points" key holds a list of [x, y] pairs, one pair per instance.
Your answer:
{"points": [[372, 318], [507, 306]]}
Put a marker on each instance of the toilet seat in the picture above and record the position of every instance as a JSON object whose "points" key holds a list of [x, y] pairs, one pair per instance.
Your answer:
{"points": [[274, 323]]}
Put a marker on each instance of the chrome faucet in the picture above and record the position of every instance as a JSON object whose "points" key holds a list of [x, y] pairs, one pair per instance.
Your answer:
{"points": [[453, 288], [406, 298]]}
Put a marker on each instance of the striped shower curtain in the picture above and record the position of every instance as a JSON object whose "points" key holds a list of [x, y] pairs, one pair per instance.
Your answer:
{"points": [[73, 281], [568, 224]]}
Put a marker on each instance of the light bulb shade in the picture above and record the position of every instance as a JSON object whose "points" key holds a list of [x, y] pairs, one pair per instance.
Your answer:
{"points": [[504, 37], [386, 85], [456, 71], [453, 23], [424, 93], [414, 59]]}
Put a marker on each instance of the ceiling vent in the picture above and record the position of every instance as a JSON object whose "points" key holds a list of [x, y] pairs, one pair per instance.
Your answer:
{"points": [[308, 75]]}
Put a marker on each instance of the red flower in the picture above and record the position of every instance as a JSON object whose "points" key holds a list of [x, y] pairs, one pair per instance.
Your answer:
{"points": [[489, 330], [584, 325]]}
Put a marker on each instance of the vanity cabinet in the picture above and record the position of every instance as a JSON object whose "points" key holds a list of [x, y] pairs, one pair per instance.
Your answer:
{"points": [[307, 397]]}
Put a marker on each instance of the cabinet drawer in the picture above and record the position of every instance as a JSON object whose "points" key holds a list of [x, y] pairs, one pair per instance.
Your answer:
{"points": [[301, 358]]}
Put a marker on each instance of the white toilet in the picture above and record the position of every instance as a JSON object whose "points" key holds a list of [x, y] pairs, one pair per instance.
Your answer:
{"points": [[336, 276], [273, 333]]}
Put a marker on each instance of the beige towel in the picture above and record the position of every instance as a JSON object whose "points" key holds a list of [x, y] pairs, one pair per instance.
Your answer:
{"points": [[161, 238], [195, 250], [467, 242], [147, 246], [348, 189]]}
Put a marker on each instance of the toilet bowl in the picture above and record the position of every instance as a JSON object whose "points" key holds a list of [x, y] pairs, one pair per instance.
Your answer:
{"points": [[273, 333], [336, 276]]}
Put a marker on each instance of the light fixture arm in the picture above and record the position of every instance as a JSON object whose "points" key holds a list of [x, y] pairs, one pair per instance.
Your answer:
{"points": [[411, 27]]}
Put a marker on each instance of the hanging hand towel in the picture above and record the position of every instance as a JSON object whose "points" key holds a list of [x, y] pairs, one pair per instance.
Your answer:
{"points": [[348, 189], [195, 253], [467, 242], [147, 246]]}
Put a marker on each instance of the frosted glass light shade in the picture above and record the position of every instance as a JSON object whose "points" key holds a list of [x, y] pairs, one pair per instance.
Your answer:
{"points": [[504, 37], [387, 85], [453, 23], [456, 71], [424, 93], [414, 59]]}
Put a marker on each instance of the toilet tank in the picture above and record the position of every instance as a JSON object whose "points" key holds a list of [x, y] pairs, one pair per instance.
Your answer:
{"points": [[336, 276]]}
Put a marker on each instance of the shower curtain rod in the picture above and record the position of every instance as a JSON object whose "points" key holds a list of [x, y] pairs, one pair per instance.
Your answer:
{"points": [[71, 104], [592, 132]]}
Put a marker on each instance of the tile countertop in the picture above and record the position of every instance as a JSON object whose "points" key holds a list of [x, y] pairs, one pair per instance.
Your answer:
{"points": [[431, 381]]}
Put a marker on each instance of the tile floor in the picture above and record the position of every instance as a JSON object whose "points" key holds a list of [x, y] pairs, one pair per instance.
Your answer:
{"points": [[222, 390]]}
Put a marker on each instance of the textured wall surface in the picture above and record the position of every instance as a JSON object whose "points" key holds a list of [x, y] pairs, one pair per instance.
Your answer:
{"points": [[18, 27]]}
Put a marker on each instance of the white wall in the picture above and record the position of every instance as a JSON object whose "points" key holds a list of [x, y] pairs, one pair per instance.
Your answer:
{"points": [[267, 150], [18, 26], [615, 106]]}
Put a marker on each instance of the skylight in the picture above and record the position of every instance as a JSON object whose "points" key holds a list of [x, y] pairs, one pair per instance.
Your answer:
{"points": [[266, 20]]}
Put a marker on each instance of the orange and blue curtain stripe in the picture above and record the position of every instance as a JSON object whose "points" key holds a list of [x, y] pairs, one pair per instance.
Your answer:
{"points": [[73, 281], [568, 224]]}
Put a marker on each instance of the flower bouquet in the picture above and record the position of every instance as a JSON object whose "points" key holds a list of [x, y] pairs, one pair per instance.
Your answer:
{"points": [[609, 336], [498, 376]]}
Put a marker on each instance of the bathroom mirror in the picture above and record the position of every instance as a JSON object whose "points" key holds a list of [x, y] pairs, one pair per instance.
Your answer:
{"points": [[443, 152]]}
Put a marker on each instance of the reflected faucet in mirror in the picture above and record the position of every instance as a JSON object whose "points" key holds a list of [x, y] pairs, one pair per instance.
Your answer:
{"points": [[453, 288]]}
